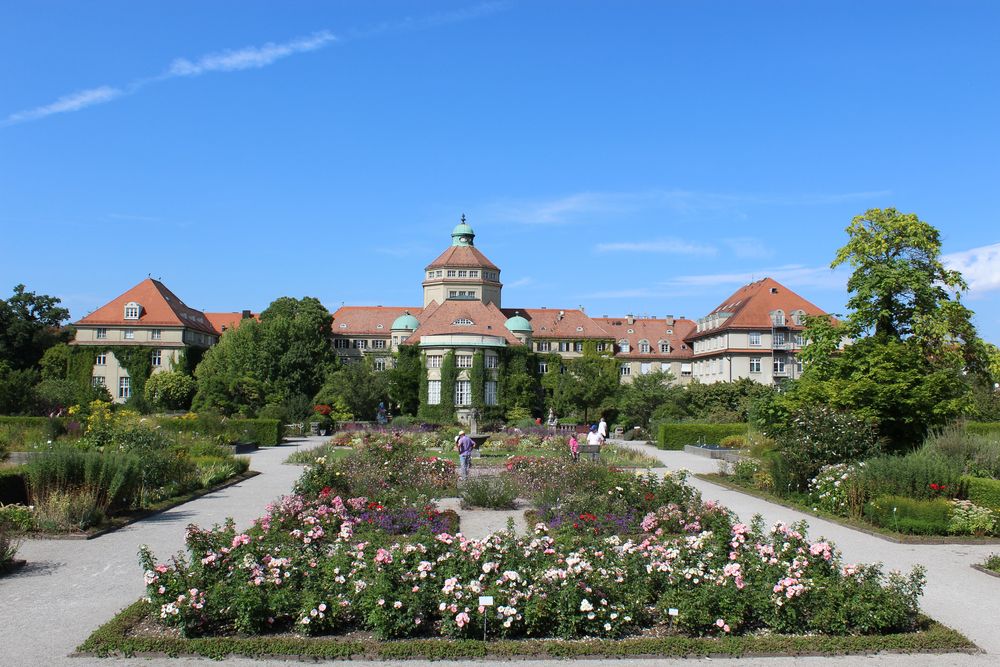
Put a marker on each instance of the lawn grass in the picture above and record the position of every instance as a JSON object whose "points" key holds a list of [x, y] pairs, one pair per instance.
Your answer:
{"points": [[857, 524], [131, 632]]}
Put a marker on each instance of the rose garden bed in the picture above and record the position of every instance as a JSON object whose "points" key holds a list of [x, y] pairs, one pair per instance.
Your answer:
{"points": [[618, 564]]}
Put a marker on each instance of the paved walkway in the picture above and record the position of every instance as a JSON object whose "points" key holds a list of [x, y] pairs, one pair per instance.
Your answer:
{"points": [[71, 587]]}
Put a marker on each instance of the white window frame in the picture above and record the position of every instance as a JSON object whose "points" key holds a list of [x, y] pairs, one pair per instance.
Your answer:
{"points": [[378, 344], [578, 346], [360, 343], [543, 367], [463, 273], [490, 392], [755, 365], [434, 392], [98, 381], [128, 334], [543, 346], [156, 334], [341, 343], [434, 361], [564, 346], [664, 347], [625, 369], [779, 364], [624, 346], [132, 310], [644, 346], [101, 334], [463, 361], [492, 361], [451, 273], [463, 392], [124, 387], [156, 358], [645, 368], [380, 364], [101, 360], [754, 338]]}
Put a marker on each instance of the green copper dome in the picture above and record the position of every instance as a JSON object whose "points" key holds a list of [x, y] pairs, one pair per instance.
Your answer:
{"points": [[405, 321], [462, 234], [518, 324]]}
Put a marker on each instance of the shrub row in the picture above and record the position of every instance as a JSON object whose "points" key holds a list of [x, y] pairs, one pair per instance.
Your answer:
{"points": [[983, 428], [676, 436], [261, 432], [117, 637], [907, 515], [983, 492]]}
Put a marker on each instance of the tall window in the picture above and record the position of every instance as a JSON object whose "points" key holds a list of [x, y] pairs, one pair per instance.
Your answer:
{"points": [[779, 365], [156, 334], [543, 367], [463, 392], [463, 361], [645, 368], [755, 364], [490, 396], [380, 364], [101, 359], [156, 358], [602, 346], [664, 347], [564, 346], [754, 338], [492, 361], [543, 346], [797, 338], [626, 369], [434, 392], [434, 361], [778, 318], [129, 334], [124, 387], [779, 338], [644, 345], [578, 346], [101, 334]]}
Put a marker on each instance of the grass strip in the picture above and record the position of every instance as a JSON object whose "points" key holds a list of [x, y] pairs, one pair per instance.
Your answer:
{"points": [[117, 638], [854, 524]]}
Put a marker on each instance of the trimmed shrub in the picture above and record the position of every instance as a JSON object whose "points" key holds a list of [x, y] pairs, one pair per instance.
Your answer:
{"points": [[915, 475], [991, 429], [13, 487], [497, 493], [906, 515], [261, 432], [983, 492], [676, 436]]}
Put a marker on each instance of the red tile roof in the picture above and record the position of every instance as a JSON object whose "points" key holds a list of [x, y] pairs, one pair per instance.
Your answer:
{"points": [[366, 320], [652, 330], [462, 256], [227, 321], [556, 323], [487, 320], [159, 307], [751, 306]]}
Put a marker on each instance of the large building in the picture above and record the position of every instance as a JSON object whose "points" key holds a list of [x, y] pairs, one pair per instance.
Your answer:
{"points": [[755, 333]]}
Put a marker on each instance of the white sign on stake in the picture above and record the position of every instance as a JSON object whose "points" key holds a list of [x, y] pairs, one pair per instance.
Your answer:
{"points": [[673, 611], [485, 600]]}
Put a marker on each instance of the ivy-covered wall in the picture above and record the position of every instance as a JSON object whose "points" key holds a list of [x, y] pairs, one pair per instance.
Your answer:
{"points": [[135, 359], [445, 411]]}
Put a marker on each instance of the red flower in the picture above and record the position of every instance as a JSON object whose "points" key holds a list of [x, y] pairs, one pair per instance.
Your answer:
{"points": [[649, 497], [325, 492]]}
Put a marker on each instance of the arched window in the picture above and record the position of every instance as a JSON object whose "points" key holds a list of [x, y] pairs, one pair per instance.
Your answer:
{"points": [[132, 310], [778, 318], [462, 322], [644, 345], [623, 345], [664, 347]]}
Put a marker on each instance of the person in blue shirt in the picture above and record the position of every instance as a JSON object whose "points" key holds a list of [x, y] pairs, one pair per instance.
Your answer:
{"points": [[465, 447]]}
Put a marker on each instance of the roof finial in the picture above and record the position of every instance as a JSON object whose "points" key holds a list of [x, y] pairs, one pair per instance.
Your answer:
{"points": [[463, 217]]}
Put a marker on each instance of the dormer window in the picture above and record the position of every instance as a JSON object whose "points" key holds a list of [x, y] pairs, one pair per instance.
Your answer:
{"points": [[799, 317], [664, 347], [462, 322], [778, 318], [132, 310], [623, 345], [644, 345]]}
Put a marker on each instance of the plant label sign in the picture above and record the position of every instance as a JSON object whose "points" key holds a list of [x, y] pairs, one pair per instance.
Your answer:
{"points": [[673, 611], [485, 600]]}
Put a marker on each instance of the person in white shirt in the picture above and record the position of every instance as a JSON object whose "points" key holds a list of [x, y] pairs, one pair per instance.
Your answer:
{"points": [[602, 428], [594, 437]]}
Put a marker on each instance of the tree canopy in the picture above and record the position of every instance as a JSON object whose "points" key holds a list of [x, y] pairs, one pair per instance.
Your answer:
{"points": [[30, 323]]}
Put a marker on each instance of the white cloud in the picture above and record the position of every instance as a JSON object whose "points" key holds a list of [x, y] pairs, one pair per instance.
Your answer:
{"points": [[520, 282], [67, 103], [251, 57], [668, 245], [748, 248], [980, 267], [794, 275]]}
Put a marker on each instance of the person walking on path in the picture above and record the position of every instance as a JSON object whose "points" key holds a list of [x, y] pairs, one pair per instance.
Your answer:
{"points": [[602, 428], [594, 438], [465, 447], [574, 447]]}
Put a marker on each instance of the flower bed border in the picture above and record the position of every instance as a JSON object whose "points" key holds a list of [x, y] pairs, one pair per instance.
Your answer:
{"points": [[133, 517], [985, 570], [116, 638], [860, 526]]}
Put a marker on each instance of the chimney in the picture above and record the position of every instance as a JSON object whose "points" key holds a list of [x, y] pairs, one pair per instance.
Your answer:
{"points": [[670, 320], [631, 319], [246, 315], [562, 314]]}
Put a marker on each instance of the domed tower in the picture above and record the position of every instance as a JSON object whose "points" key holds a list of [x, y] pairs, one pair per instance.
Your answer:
{"points": [[462, 272], [521, 328], [402, 327]]}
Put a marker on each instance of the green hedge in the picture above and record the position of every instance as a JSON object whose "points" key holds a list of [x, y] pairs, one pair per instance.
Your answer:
{"points": [[983, 492], [117, 637], [983, 428], [906, 515], [675, 436], [13, 487], [262, 432]]}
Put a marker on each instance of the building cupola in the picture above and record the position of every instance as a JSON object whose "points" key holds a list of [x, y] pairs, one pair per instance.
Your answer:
{"points": [[463, 234]]}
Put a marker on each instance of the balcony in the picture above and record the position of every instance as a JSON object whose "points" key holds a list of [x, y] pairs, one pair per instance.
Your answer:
{"points": [[783, 373], [781, 346]]}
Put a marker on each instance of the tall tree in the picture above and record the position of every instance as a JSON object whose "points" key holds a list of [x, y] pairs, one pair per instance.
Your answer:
{"points": [[30, 324], [640, 398]]}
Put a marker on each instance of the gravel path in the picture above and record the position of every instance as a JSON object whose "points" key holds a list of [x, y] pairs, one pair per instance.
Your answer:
{"points": [[71, 587]]}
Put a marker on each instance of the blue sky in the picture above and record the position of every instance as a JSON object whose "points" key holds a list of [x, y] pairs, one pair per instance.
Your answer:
{"points": [[630, 157]]}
